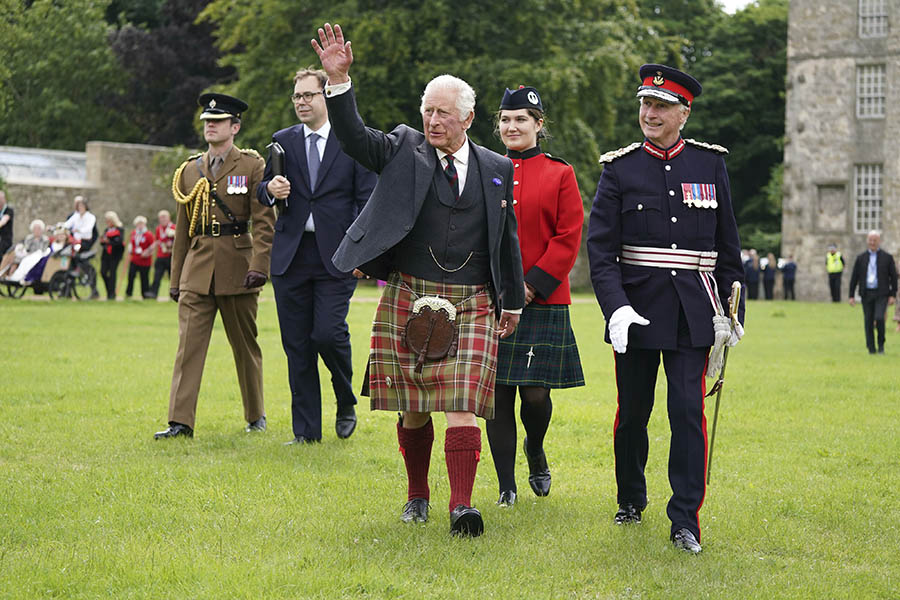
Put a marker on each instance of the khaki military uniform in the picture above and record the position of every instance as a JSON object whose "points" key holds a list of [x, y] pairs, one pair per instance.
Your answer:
{"points": [[209, 272]]}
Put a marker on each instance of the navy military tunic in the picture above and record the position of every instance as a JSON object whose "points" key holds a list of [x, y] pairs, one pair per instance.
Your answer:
{"points": [[669, 199]]}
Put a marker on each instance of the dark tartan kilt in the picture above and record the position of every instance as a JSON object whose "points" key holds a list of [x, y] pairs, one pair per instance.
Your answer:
{"points": [[461, 383], [545, 331]]}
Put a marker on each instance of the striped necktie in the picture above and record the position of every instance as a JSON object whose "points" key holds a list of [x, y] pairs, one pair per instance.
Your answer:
{"points": [[452, 176]]}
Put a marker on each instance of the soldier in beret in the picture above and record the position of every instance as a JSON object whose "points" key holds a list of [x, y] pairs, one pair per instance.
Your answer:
{"points": [[220, 261], [541, 354], [664, 252]]}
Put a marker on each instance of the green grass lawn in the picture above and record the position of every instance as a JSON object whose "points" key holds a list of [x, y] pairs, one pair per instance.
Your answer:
{"points": [[803, 501]]}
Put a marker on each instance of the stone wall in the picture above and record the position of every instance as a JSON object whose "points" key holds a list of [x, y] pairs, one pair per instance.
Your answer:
{"points": [[824, 139], [118, 177]]}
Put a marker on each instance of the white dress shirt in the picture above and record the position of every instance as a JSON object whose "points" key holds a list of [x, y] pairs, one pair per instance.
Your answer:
{"points": [[323, 132]]}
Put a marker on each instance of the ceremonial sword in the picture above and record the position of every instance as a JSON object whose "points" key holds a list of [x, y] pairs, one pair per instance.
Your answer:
{"points": [[733, 303]]}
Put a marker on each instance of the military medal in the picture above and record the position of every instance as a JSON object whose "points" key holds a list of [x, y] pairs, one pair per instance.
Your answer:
{"points": [[699, 195], [237, 184]]}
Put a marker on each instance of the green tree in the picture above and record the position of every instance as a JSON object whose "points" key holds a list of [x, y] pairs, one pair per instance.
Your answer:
{"points": [[59, 79], [742, 108], [581, 55]]}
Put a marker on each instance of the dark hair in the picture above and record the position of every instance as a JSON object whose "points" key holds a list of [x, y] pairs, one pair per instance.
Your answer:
{"points": [[311, 71], [535, 114]]}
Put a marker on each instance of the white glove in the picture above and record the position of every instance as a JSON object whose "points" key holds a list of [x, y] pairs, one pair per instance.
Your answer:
{"points": [[736, 334], [619, 322]]}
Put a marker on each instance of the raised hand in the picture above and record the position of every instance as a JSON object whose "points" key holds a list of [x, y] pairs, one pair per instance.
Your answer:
{"points": [[335, 55]]}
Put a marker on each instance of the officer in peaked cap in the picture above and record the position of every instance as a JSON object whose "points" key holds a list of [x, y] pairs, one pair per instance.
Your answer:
{"points": [[220, 106], [220, 261], [664, 251]]}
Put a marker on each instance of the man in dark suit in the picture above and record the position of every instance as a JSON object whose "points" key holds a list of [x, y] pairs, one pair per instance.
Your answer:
{"points": [[664, 252], [441, 229], [320, 194], [875, 272]]}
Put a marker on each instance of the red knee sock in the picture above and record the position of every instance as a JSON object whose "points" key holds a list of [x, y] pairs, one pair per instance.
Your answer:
{"points": [[462, 450], [415, 446]]}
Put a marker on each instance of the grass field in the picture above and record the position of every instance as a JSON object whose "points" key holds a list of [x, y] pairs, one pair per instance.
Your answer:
{"points": [[803, 501]]}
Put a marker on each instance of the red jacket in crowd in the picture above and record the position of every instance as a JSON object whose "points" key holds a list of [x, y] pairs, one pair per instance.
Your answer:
{"points": [[140, 242]]}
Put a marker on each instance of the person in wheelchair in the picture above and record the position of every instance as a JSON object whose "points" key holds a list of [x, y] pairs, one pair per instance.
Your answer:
{"points": [[28, 253]]}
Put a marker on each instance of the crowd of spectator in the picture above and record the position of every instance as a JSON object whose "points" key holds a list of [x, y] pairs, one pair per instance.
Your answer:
{"points": [[25, 263]]}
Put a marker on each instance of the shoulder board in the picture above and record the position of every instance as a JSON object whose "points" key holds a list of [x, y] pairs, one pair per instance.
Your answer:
{"points": [[613, 155], [189, 159], [714, 147], [250, 151], [556, 158]]}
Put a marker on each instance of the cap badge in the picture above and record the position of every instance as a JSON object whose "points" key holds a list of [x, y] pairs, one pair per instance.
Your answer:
{"points": [[658, 80], [532, 97], [212, 103]]}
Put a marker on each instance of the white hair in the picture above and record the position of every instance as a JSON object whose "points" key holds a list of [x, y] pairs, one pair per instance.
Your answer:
{"points": [[465, 95], [140, 219], [37, 222]]}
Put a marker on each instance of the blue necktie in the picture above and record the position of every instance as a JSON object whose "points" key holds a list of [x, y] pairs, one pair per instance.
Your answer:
{"points": [[313, 160], [452, 176]]}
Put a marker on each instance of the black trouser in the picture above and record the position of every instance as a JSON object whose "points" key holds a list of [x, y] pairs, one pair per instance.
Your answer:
{"points": [[789, 289], [636, 372], [753, 290], [162, 266], [874, 307], [769, 288], [134, 269], [834, 283], [109, 266]]}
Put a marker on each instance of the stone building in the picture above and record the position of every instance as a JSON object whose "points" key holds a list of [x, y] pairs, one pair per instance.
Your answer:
{"points": [[41, 184], [841, 178]]}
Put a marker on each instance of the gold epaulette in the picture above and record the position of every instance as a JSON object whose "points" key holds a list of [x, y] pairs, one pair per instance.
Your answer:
{"points": [[714, 147], [250, 151], [614, 154]]}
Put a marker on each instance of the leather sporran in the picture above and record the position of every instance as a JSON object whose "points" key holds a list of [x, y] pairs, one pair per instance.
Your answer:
{"points": [[431, 331]]}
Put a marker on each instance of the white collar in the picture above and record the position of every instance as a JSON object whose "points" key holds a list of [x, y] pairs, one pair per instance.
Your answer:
{"points": [[460, 156], [322, 131]]}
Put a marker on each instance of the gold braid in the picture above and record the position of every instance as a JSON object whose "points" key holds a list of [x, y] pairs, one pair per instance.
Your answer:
{"points": [[196, 202]]}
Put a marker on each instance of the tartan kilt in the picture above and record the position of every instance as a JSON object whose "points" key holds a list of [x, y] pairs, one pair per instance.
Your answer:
{"points": [[546, 331], [464, 382]]}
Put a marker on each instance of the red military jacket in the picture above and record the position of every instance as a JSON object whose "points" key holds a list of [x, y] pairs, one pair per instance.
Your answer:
{"points": [[140, 243], [550, 216]]}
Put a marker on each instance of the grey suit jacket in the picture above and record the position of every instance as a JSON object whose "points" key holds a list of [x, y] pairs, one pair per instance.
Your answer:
{"points": [[406, 163]]}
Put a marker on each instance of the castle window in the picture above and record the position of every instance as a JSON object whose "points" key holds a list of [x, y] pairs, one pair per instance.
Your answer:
{"points": [[867, 190], [870, 86], [873, 18]]}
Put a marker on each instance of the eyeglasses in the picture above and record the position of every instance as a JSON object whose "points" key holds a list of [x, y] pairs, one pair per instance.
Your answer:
{"points": [[307, 96]]}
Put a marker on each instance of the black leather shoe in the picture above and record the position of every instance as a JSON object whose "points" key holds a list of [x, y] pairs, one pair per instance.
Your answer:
{"points": [[257, 425], [466, 521], [627, 514], [415, 511], [538, 472], [301, 440], [507, 498], [174, 430], [345, 422], [685, 540]]}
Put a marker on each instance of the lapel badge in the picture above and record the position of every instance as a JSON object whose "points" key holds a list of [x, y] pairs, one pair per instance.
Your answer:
{"points": [[496, 181], [503, 204]]}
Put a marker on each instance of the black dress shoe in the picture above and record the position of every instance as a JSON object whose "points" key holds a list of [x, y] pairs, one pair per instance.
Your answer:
{"points": [[685, 540], [466, 521], [415, 511], [257, 425], [628, 513], [507, 498], [538, 472], [345, 422], [301, 440], [174, 430]]}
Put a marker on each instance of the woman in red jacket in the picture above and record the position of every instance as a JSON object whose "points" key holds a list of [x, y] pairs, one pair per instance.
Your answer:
{"points": [[541, 354]]}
